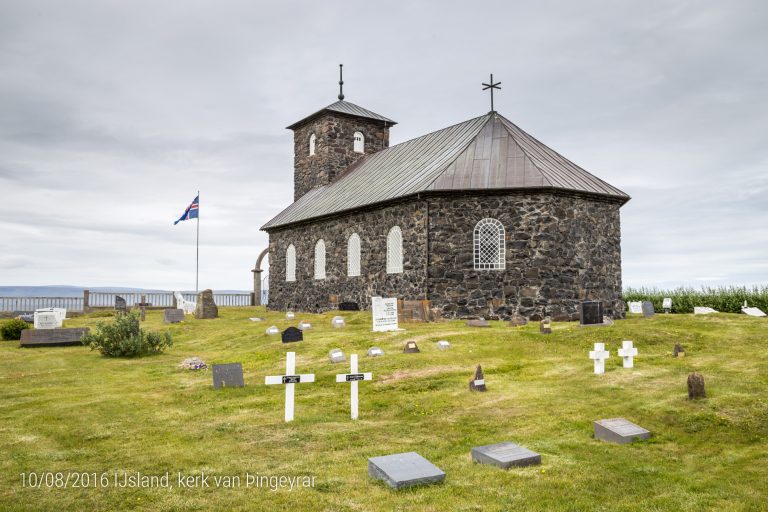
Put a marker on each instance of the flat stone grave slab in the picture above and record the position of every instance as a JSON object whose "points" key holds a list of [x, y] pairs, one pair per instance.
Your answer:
{"points": [[752, 311], [256, 319], [482, 322], [505, 455], [60, 337], [292, 334], [228, 375], [173, 316], [404, 470], [619, 430], [698, 310], [443, 345]]}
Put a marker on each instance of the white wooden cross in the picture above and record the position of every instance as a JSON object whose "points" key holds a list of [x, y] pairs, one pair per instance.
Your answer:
{"points": [[628, 352], [353, 377], [599, 355], [290, 379]]}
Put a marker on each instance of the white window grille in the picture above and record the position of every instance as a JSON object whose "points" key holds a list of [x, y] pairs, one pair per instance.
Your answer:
{"points": [[290, 263], [359, 145], [353, 255], [312, 139], [320, 259], [489, 245], [395, 251]]}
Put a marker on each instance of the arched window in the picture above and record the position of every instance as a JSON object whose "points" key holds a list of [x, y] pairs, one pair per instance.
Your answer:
{"points": [[353, 256], [312, 144], [290, 263], [320, 259], [359, 143], [489, 245], [395, 251]]}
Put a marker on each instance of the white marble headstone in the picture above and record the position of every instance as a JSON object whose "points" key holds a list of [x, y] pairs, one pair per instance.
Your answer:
{"points": [[289, 315], [636, 307], [599, 355], [336, 355], [698, 310], [384, 314], [46, 320], [443, 345], [338, 322], [375, 352], [273, 330], [304, 326]]}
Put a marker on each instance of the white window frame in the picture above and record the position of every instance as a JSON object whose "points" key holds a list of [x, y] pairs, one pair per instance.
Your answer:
{"points": [[290, 263], [320, 259], [359, 142], [395, 251], [353, 255], [489, 245], [312, 142]]}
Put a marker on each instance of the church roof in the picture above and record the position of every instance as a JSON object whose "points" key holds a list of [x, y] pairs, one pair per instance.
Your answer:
{"points": [[484, 153], [346, 108]]}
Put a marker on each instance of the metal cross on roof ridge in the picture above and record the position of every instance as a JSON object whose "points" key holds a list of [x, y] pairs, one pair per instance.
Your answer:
{"points": [[490, 85]]}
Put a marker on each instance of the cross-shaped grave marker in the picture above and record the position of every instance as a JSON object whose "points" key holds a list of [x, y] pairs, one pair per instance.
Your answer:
{"points": [[353, 377], [143, 305], [599, 355], [290, 379], [628, 352]]}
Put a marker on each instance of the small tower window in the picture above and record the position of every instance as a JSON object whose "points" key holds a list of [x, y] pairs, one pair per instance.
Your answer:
{"points": [[395, 251], [353, 256], [489, 245], [320, 259], [312, 144], [290, 263], [359, 143]]}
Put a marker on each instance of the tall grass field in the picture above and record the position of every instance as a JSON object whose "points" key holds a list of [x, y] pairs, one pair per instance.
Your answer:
{"points": [[725, 299]]}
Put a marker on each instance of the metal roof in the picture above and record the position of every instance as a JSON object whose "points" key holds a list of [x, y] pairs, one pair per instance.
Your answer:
{"points": [[347, 108], [485, 153]]}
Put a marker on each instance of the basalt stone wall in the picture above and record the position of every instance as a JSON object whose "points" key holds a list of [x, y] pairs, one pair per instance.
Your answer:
{"points": [[334, 149], [313, 295], [560, 250]]}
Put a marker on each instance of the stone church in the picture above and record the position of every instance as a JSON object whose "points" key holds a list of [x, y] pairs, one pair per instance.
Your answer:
{"points": [[480, 218]]}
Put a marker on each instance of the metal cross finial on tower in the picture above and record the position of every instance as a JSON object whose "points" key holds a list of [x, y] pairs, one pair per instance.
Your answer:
{"points": [[341, 83], [490, 85]]}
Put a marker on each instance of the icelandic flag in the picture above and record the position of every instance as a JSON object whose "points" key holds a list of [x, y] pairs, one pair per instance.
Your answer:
{"points": [[191, 211]]}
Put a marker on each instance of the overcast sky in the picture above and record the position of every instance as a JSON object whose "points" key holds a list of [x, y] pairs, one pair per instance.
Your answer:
{"points": [[113, 114]]}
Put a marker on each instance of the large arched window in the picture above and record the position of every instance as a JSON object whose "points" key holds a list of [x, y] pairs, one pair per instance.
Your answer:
{"points": [[290, 263], [320, 259], [353, 256], [395, 251], [312, 139], [489, 245], [359, 145]]}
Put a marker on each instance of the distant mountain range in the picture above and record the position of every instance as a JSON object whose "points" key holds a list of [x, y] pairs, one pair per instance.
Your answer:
{"points": [[77, 291]]}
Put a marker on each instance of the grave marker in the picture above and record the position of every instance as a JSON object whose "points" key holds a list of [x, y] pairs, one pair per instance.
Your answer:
{"points": [[384, 314], [46, 320], [143, 305], [619, 430], [292, 334], [411, 348], [505, 455], [336, 355], [256, 319], [628, 353], [272, 330], [375, 352], [545, 327], [698, 310], [349, 306], [120, 305], [752, 311], [443, 345], [678, 351], [477, 382], [599, 355], [696, 386], [518, 321], [648, 310], [404, 470], [338, 322], [353, 377], [591, 312], [52, 337], [173, 316], [636, 307], [290, 379], [480, 322], [289, 315], [228, 375], [666, 305], [305, 326]]}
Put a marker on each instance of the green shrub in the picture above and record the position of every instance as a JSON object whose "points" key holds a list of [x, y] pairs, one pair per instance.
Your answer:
{"points": [[724, 299], [11, 330], [124, 338]]}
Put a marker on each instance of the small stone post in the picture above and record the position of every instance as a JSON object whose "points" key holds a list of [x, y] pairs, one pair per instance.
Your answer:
{"points": [[696, 386], [86, 301]]}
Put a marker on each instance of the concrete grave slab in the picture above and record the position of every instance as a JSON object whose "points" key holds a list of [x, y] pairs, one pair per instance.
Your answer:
{"points": [[619, 430], [481, 322], [402, 470], [52, 337], [228, 375], [505, 455], [698, 310], [752, 311], [173, 316]]}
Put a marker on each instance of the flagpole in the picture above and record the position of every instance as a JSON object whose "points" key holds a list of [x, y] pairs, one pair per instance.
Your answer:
{"points": [[197, 255]]}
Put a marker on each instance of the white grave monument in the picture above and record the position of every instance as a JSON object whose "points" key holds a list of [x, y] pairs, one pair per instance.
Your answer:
{"points": [[187, 305], [304, 326], [751, 311], [60, 314], [628, 353], [289, 315], [353, 378], [599, 355], [384, 314], [666, 304], [443, 345], [636, 307], [273, 330], [336, 355], [46, 320], [338, 322], [698, 310], [375, 352], [290, 379]]}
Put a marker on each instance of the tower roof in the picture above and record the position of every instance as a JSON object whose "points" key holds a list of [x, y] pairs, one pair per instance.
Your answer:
{"points": [[348, 109], [485, 153]]}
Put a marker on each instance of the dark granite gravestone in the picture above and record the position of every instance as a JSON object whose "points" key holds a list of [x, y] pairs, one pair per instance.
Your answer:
{"points": [[411, 348], [545, 327], [696, 386], [619, 430], [505, 455], [173, 316], [60, 337], [349, 306], [228, 375], [477, 382], [518, 321], [206, 307], [678, 351], [591, 312], [648, 310], [404, 470], [120, 304], [292, 334], [481, 322]]}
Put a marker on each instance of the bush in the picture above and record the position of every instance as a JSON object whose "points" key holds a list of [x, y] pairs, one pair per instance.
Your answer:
{"points": [[124, 338], [11, 330], [723, 299]]}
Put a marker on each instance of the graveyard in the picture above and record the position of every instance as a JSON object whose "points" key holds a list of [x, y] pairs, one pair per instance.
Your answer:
{"points": [[67, 409]]}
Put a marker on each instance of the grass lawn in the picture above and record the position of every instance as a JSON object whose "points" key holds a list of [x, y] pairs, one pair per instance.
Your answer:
{"points": [[70, 410]]}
